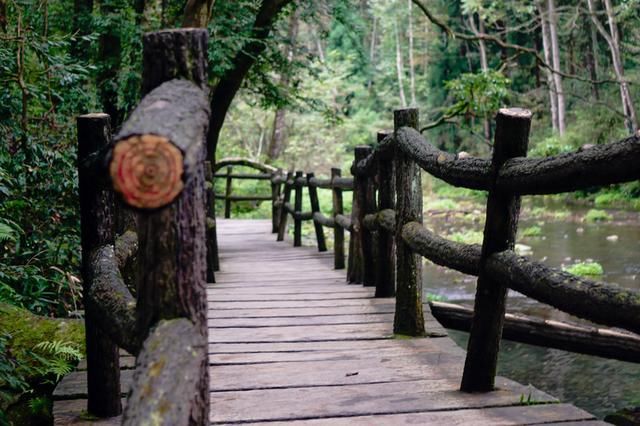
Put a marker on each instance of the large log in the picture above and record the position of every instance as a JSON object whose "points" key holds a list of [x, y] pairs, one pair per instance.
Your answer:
{"points": [[167, 378], [468, 172], [158, 148], [599, 165], [548, 333], [110, 301], [501, 223], [461, 257], [126, 249], [599, 302], [96, 230]]}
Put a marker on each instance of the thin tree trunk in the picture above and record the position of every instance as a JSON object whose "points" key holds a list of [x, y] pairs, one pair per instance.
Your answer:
{"points": [[546, 43], [592, 60], [412, 74], [555, 56], [372, 51], [484, 65], [399, 66]]}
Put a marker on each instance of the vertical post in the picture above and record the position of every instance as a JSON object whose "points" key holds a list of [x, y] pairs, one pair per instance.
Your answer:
{"points": [[338, 232], [275, 195], [282, 228], [172, 238], [385, 264], [212, 241], [315, 208], [297, 221], [227, 194], [409, 319], [97, 229], [355, 268], [503, 209], [365, 191]]}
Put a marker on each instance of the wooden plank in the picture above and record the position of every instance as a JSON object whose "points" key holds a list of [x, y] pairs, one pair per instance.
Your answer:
{"points": [[302, 311], [492, 416], [298, 304], [243, 298], [300, 333], [299, 321], [73, 413], [354, 400]]}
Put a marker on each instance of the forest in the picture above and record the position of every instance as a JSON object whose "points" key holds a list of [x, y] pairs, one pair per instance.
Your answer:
{"points": [[294, 84]]}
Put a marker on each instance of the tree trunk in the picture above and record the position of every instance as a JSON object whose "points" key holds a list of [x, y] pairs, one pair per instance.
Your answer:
{"points": [[591, 58], [555, 56], [546, 47], [412, 74], [399, 66]]}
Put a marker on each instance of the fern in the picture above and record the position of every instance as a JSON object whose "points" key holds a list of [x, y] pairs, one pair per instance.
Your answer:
{"points": [[64, 350], [7, 233], [56, 358]]}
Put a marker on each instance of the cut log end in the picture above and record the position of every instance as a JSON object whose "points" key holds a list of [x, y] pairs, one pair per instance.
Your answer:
{"points": [[515, 112], [147, 171]]}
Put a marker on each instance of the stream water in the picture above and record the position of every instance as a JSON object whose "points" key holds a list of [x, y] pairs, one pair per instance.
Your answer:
{"points": [[597, 385]]}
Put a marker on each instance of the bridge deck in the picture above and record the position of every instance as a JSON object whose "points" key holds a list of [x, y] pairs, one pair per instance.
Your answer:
{"points": [[291, 342]]}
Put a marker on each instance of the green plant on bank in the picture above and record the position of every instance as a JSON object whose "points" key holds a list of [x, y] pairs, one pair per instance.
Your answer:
{"points": [[532, 231], [585, 269], [467, 237], [445, 204], [431, 297], [595, 215]]}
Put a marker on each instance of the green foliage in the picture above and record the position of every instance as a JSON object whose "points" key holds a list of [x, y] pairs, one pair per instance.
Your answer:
{"points": [[442, 204], [478, 94], [585, 269], [595, 215], [466, 236]]}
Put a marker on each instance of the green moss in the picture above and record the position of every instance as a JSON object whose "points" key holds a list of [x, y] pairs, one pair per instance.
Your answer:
{"points": [[585, 269], [595, 215], [27, 330], [532, 231]]}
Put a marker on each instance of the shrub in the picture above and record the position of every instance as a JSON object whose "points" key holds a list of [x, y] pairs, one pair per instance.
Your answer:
{"points": [[585, 269], [595, 215], [532, 231]]}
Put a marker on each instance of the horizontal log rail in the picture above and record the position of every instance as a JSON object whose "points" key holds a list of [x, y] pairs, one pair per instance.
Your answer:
{"points": [[237, 161], [548, 333], [243, 197], [247, 176]]}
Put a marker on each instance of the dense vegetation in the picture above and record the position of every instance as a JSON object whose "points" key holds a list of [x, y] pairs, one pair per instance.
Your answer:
{"points": [[327, 76]]}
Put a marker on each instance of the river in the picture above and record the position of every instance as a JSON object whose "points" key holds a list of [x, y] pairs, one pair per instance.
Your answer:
{"points": [[597, 385]]}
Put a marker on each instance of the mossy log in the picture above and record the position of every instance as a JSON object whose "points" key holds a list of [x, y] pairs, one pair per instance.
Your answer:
{"points": [[321, 219], [168, 375], [126, 250], [366, 193], [344, 222], [441, 251], [599, 165], [159, 147], [468, 172], [337, 209], [368, 166], [111, 304], [599, 302], [548, 333]]}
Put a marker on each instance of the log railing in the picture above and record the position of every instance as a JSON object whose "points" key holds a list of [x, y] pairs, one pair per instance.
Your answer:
{"points": [[388, 239], [155, 165]]}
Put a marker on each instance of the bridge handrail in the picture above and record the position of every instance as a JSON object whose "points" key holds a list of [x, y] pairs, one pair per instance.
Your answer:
{"points": [[390, 169]]}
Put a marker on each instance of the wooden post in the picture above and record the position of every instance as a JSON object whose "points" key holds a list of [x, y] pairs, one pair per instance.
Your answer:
{"points": [[338, 232], [97, 229], [282, 228], [297, 208], [227, 194], [172, 234], [355, 268], [409, 319], [315, 208], [212, 241], [503, 209], [385, 264], [275, 195], [365, 191]]}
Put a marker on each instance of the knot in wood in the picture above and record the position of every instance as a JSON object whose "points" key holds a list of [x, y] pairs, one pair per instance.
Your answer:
{"points": [[147, 171]]}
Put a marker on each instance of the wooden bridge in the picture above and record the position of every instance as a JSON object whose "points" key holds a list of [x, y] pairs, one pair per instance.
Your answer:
{"points": [[290, 341], [278, 335]]}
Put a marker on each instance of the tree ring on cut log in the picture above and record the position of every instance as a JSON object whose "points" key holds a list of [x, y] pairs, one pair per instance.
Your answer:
{"points": [[147, 171]]}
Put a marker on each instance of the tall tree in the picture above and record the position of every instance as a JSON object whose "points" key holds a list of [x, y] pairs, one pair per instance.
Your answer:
{"points": [[555, 57], [612, 38], [546, 49], [399, 65]]}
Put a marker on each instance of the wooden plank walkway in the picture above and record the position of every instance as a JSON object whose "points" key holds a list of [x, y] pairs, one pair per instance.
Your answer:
{"points": [[291, 342]]}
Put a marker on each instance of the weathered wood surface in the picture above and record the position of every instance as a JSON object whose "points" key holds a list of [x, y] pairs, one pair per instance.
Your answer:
{"points": [[289, 362]]}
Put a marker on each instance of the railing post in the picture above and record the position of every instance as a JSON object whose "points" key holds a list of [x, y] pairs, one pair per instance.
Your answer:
{"points": [[297, 221], [227, 194], [365, 191], [511, 140], [275, 195], [355, 268], [97, 229], [282, 227], [212, 240], [409, 319], [338, 232], [315, 208], [385, 264]]}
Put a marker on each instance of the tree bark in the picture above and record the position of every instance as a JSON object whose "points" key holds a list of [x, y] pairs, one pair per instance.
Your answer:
{"points": [[197, 13], [412, 72], [399, 66]]}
